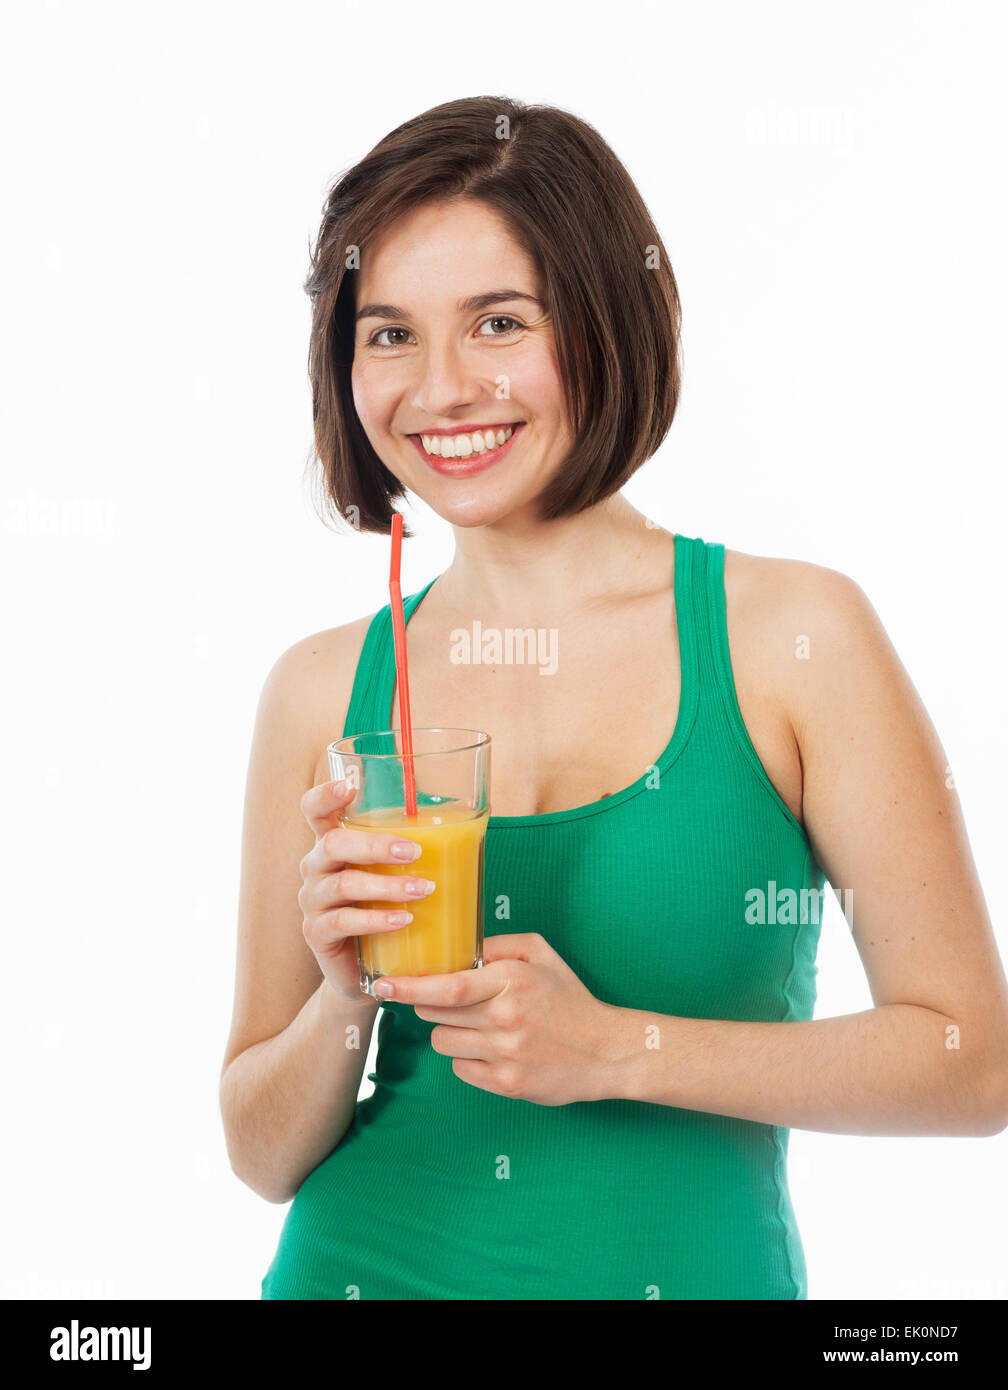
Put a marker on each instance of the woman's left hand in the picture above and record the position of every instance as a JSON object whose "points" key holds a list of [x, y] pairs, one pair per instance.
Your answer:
{"points": [[523, 1026]]}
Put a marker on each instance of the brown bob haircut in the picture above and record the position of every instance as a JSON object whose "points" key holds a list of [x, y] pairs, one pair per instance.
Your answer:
{"points": [[607, 281]]}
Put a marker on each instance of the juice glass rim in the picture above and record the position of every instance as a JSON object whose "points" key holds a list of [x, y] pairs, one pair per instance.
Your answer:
{"points": [[344, 745]]}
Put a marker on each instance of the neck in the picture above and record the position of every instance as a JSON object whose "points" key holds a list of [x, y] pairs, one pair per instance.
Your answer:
{"points": [[524, 567]]}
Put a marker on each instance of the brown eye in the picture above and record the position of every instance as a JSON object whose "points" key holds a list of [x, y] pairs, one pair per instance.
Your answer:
{"points": [[501, 319], [373, 340]]}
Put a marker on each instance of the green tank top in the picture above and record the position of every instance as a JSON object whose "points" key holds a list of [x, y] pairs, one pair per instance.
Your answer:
{"points": [[647, 895]]}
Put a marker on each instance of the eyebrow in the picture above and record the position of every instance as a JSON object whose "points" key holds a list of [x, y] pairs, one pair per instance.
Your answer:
{"points": [[473, 304]]}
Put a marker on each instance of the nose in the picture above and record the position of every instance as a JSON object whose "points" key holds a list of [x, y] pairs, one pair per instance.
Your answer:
{"points": [[447, 381]]}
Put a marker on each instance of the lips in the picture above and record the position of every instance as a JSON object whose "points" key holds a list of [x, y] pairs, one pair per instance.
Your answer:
{"points": [[466, 467]]}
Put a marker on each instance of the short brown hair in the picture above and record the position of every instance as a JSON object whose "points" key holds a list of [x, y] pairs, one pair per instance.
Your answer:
{"points": [[607, 280]]}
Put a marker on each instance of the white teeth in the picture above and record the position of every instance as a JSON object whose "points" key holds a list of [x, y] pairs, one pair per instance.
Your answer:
{"points": [[463, 446]]}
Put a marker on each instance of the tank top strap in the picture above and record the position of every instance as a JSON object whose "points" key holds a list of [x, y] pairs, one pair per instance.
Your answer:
{"points": [[719, 711], [374, 679], [709, 618]]}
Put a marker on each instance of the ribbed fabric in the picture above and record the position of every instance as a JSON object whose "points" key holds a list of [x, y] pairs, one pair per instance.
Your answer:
{"points": [[644, 895]]}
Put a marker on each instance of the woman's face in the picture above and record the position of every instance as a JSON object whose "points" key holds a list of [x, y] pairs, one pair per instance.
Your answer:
{"points": [[452, 340]]}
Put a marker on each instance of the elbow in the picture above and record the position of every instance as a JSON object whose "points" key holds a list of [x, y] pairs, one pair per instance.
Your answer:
{"points": [[263, 1185], [993, 1112], [997, 1103], [278, 1197], [993, 1125], [266, 1188], [270, 1190]]}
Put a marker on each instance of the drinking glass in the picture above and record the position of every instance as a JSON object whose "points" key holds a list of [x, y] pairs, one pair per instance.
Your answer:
{"points": [[452, 776]]}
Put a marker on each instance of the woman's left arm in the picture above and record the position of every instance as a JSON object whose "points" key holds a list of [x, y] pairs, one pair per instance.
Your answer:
{"points": [[883, 818]]}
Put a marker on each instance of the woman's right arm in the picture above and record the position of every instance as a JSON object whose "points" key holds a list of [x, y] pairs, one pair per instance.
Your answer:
{"points": [[301, 1025]]}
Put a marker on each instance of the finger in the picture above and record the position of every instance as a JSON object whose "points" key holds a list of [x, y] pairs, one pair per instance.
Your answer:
{"points": [[477, 1073], [323, 804], [527, 946], [358, 921], [461, 987], [462, 1016], [463, 1042], [341, 845], [347, 886]]}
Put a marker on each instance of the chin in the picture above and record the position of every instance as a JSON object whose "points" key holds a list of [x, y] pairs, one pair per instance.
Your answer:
{"points": [[477, 514], [476, 510]]}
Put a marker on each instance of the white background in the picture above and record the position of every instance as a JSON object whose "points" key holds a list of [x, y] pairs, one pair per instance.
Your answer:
{"points": [[828, 180]]}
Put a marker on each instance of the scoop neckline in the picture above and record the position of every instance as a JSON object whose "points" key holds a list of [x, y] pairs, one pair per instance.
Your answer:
{"points": [[685, 715]]}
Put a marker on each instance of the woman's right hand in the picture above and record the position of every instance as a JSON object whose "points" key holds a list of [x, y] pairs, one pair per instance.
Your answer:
{"points": [[332, 884]]}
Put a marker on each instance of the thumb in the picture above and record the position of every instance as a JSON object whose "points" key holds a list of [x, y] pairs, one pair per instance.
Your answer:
{"points": [[323, 805]]}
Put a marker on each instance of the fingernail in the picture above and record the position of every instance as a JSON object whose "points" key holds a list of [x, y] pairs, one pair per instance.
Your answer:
{"points": [[420, 887], [406, 849], [338, 788], [383, 988]]}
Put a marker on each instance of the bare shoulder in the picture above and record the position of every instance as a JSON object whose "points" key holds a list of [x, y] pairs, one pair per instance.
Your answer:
{"points": [[810, 629], [771, 584], [309, 685]]}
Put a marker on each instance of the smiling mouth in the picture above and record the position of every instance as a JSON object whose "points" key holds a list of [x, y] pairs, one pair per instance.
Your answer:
{"points": [[468, 445], [457, 463]]}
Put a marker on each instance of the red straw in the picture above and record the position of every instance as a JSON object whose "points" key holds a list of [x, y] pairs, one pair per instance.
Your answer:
{"points": [[402, 676]]}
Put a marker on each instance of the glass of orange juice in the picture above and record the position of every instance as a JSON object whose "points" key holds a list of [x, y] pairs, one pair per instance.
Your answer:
{"points": [[452, 776]]}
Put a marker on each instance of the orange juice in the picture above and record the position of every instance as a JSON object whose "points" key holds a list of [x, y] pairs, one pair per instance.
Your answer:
{"points": [[447, 929]]}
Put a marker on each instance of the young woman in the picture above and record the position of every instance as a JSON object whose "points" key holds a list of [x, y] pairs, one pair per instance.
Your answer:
{"points": [[602, 1110]]}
